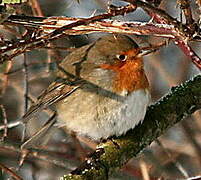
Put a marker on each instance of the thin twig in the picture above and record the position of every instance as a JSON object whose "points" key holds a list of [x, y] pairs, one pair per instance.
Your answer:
{"points": [[10, 125], [26, 92], [144, 170], [190, 135], [188, 51], [176, 164], [10, 172], [185, 7], [184, 33], [34, 4], [39, 154], [5, 77], [5, 122], [137, 28], [48, 25], [198, 2], [26, 83], [58, 33]]}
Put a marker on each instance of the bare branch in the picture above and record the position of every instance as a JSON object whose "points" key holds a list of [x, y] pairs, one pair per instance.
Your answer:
{"points": [[37, 154], [184, 32], [185, 6], [57, 26], [48, 25], [10, 172], [58, 33]]}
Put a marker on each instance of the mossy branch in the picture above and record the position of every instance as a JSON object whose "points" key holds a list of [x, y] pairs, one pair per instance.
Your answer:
{"points": [[182, 101]]}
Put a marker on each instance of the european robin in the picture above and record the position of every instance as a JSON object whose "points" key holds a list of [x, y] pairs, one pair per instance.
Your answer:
{"points": [[101, 89]]}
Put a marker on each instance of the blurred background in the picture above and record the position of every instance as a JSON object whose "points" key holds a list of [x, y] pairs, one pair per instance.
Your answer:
{"points": [[176, 154]]}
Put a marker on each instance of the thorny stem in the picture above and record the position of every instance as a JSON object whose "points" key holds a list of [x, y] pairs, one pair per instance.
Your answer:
{"points": [[10, 172], [58, 33], [189, 52], [184, 32]]}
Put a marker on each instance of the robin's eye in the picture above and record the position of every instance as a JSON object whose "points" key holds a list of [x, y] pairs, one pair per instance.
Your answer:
{"points": [[121, 57]]}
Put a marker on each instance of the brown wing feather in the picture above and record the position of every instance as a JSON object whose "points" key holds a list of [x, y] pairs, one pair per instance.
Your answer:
{"points": [[54, 93]]}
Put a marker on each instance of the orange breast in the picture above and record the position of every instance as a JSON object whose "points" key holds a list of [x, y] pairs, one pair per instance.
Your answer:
{"points": [[130, 75]]}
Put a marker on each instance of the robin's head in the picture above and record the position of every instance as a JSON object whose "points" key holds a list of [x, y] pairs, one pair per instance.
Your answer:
{"points": [[107, 49], [126, 62], [120, 53]]}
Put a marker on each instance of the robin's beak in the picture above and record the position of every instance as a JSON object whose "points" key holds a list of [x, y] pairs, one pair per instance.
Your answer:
{"points": [[146, 50]]}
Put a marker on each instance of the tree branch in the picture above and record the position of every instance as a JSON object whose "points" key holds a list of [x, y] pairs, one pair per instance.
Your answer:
{"points": [[9, 148], [182, 101], [49, 24], [58, 33], [57, 27], [184, 32]]}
